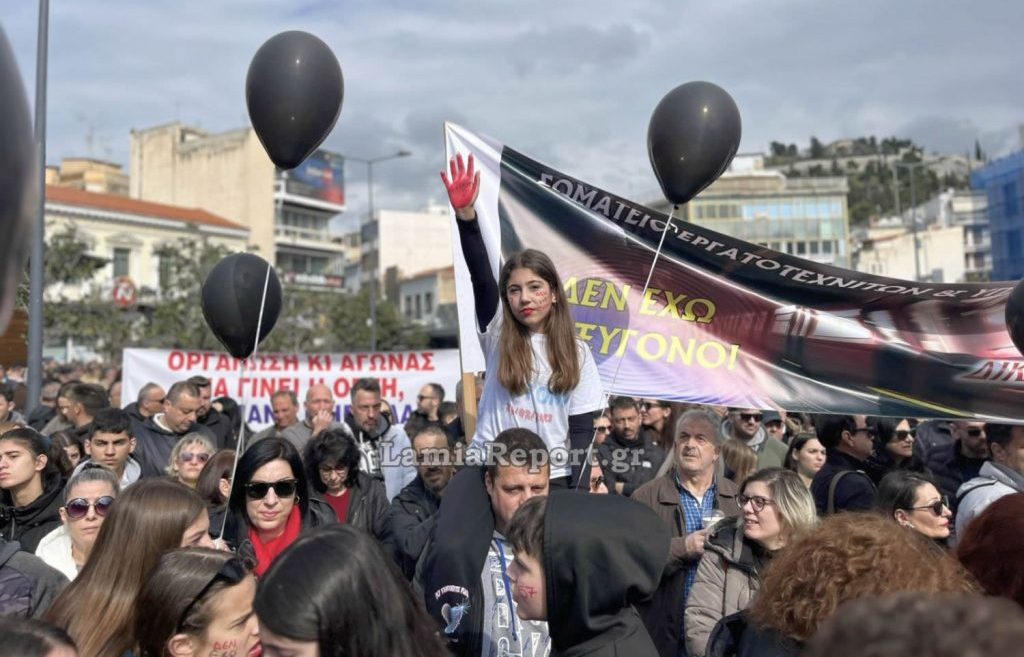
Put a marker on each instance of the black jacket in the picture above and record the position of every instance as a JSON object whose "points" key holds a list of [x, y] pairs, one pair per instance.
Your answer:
{"points": [[455, 557], [368, 505], [27, 585], [734, 636], [29, 524], [153, 445], [418, 422], [236, 531], [220, 426], [408, 524], [602, 555], [39, 416], [633, 463], [854, 491], [951, 469]]}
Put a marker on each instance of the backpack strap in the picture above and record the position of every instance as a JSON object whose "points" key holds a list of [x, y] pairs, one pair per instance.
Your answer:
{"points": [[968, 491], [832, 485]]}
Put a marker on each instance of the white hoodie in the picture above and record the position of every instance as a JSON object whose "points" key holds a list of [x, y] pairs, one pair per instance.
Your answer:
{"points": [[55, 550]]}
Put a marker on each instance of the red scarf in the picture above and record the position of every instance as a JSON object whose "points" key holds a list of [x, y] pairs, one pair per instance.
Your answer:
{"points": [[267, 552]]}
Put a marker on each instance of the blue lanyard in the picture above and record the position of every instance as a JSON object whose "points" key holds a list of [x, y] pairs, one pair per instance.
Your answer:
{"points": [[508, 588]]}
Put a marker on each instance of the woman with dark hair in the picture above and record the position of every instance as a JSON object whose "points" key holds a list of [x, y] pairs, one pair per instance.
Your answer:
{"points": [[540, 376], [214, 486], [849, 556], [304, 603], [894, 447], [992, 548], [27, 637], [72, 449], [270, 503], [332, 467], [805, 457], [31, 486], [913, 501], [656, 416], [198, 602], [149, 518]]}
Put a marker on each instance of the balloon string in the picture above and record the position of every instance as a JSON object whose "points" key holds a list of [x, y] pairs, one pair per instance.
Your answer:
{"points": [[240, 443], [618, 364]]}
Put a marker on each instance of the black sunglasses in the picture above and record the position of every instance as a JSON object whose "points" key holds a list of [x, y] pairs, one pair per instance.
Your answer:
{"points": [[232, 571], [79, 507], [257, 490], [903, 434], [974, 432], [750, 417], [937, 506]]}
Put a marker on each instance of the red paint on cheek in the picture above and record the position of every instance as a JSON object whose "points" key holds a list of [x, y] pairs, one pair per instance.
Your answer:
{"points": [[528, 591]]}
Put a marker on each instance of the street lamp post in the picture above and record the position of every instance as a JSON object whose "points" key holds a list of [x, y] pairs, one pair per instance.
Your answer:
{"points": [[913, 167], [369, 162]]}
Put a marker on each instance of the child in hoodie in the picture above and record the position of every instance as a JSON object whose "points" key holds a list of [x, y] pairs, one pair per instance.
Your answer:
{"points": [[577, 558]]}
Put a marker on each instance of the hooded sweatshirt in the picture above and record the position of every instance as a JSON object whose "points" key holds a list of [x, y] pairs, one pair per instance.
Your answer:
{"points": [[30, 523], [602, 554]]}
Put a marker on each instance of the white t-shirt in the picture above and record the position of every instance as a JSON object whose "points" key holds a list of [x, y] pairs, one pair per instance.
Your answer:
{"points": [[538, 409]]}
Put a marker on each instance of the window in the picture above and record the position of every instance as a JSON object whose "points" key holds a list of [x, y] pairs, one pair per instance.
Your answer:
{"points": [[164, 273], [1012, 206], [814, 248], [428, 302], [408, 305], [826, 248], [419, 307], [121, 262], [801, 248]]}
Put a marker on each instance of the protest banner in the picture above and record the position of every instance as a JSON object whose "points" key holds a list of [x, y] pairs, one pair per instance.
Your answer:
{"points": [[401, 375], [733, 323]]}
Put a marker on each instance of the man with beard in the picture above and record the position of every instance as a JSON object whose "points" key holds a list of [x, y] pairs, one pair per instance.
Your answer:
{"points": [[384, 447], [428, 404], [411, 517]]}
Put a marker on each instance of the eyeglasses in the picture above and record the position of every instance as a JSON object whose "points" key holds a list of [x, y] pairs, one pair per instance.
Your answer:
{"points": [[257, 490], [750, 417], [422, 397], [755, 501], [903, 434], [231, 571], [79, 507], [868, 430], [328, 469], [975, 432], [602, 429], [188, 457], [937, 506]]}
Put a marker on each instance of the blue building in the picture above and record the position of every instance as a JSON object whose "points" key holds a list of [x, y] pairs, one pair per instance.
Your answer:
{"points": [[1003, 183]]}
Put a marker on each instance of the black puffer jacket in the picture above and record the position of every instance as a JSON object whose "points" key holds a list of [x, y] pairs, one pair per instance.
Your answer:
{"points": [[368, 506], [30, 523], [602, 555]]}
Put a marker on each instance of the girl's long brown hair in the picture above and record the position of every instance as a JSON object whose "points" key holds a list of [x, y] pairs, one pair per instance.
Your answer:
{"points": [[515, 360], [98, 609]]}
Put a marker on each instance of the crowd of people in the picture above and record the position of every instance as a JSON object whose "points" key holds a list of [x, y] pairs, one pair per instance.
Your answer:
{"points": [[565, 522]]}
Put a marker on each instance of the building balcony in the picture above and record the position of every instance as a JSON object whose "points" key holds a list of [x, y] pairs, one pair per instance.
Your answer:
{"points": [[306, 238], [287, 195], [315, 281], [984, 246]]}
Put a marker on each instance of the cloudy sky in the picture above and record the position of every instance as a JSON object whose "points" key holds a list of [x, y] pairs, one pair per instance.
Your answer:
{"points": [[570, 82]]}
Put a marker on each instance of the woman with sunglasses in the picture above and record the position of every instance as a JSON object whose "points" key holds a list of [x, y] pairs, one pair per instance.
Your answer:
{"points": [[198, 602], [188, 457], [149, 518], [777, 510], [30, 487], [305, 602], [270, 503], [332, 467], [913, 501], [894, 447], [87, 498]]}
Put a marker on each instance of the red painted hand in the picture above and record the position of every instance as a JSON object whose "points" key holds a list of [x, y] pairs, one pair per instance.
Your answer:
{"points": [[463, 186]]}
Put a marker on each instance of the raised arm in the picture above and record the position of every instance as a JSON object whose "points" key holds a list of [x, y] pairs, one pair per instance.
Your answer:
{"points": [[463, 188]]}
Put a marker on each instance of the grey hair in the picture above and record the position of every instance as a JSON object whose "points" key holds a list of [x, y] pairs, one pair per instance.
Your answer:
{"points": [[92, 472], [704, 416]]}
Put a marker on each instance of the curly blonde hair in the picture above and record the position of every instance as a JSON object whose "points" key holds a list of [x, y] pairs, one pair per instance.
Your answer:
{"points": [[850, 556]]}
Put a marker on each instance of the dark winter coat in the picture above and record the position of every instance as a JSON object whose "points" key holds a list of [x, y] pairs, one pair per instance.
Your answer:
{"points": [[220, 426], [30, 523], [27, 585], [630, 462], [368, 506], [602, 554], [154, 444], [408, 524], [236, 533], [951, 469], [663, 614], [734, 636], [853, 491]]}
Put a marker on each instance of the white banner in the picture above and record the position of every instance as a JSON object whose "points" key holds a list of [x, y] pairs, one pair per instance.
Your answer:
{"points": [[401, 375]]}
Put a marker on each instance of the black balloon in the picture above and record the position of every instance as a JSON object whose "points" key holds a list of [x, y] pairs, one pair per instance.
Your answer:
{"points": [[1015, 315], [232, 293], [692, 137], [19, 180], [293, 90]]}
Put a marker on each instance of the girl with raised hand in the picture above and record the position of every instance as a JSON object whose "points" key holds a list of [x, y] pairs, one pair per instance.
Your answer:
{"points": [[539, 376]]}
